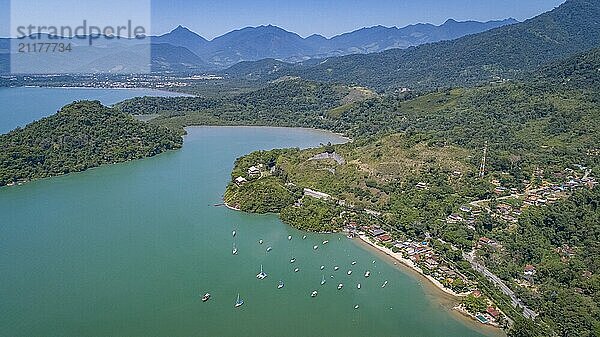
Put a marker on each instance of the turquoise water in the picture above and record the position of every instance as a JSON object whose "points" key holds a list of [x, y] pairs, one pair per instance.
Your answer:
{"points": [[21, 106], [128, 249]]}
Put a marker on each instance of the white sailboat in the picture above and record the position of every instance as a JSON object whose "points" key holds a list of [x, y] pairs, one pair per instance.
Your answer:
{"points": [[323, 280], [367, 273], [262, 274], [340, 286], [314, 293], [384, 284], [358, 286], [239, 302], [289, 237], [234, 251], [233, 233]]}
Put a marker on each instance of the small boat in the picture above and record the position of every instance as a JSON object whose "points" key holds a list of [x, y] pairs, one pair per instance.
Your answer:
{"points": [[260, 241], [353, 262], [356, 306], [239, 302], [233, 233], [206, 297], [262, 275], [373, 261], [269, 249], [325, 242], [358, 286], [296, 270], [315, 247], [349, 272], [336, 268], [367, 273], [234, 251], [384, 284], [323, 280], [322, 267], [304, 237], [314, 293], [340, 286], [280, 285], [293, 260], [289, 237]]}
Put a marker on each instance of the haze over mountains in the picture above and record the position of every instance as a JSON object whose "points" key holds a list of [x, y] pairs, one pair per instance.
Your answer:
{"points": [[182, 50], [256, 43], [495, 55]]}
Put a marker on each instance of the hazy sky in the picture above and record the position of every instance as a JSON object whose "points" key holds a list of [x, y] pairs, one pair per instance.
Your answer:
{"points": [[305, 17]]}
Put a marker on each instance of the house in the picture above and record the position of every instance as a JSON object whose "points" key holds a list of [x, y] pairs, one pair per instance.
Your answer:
{"points": [[476, 293], [487, 241], [376, 231], [421, 186], [431, 264], [240, 181], [253, 171], [529, 270], [384, 238], [494, 312]]}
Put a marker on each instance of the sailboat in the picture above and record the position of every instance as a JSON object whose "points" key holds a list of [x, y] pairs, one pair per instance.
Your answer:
{"points": [[280, 285], [293, 260], [367, 273], [233, 233], [303, 237], [260, 241], [262, 274], [340, 286], [358, 286], [296, 270], [269, 249], [289, 237], [239, 302], [322, 267], [349, 272], [314, 293], [234, 251], [325, 242], [384, 284], [323, 280]]}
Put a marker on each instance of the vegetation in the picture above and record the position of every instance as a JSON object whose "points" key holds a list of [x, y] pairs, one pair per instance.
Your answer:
{"points": [[504, 53], [80, 136]]}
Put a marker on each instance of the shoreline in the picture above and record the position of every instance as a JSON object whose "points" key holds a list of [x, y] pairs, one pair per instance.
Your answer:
{"points": [[408, 263], [445, 297]]}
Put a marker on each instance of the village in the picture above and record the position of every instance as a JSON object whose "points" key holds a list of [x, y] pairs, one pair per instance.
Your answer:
{"points": [[420, 255]]}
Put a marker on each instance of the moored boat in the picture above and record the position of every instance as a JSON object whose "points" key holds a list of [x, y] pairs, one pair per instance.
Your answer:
{"points": [[367, 273], [262, 275], [323, 280], [280, 285], [314, 293], [206, 297], [340, 286], [384, 284], [239, 302]]}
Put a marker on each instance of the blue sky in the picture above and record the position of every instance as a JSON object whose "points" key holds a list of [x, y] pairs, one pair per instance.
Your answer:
{"points": [[305, 17]]}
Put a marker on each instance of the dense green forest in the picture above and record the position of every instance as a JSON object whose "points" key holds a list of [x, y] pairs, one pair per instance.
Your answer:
{"points": [[80, 136], [504, 53]]}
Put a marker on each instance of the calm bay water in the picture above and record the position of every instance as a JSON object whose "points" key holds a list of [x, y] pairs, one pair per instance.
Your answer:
{"points": [[21, 106], [128, 249]]}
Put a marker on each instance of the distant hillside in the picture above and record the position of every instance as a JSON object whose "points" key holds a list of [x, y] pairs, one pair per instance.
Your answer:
{"points": [[80, 136], [262, 42], [501, 53], [580, 71]]}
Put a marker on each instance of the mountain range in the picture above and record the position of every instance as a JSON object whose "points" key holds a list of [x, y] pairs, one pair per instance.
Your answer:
{"points": [[256, 43], [495, 55], [182, 50]]}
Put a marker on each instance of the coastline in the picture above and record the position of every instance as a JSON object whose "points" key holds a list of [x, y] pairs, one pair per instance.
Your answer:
{"points": [[408, 263]]}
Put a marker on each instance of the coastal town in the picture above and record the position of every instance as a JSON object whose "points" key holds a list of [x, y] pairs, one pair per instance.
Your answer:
{"points": [[420, 254]]}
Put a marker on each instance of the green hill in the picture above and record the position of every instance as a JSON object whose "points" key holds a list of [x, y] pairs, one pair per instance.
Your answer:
{"points": [[503, 53], [80, 136]]}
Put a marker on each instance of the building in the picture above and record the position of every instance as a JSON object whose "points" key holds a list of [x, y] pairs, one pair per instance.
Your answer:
{"points": [[494, 312], [253, 171], [529, 270], [240, 181]]}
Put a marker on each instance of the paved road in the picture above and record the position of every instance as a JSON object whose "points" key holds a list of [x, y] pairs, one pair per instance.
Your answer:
{"points": [[516, 302]]}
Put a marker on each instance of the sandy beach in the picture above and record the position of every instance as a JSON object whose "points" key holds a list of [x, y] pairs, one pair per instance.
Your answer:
{"points": [[411, 265]]}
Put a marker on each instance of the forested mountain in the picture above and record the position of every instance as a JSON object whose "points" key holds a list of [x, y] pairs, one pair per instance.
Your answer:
{"points": [[502, 53], [80, 136]]}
